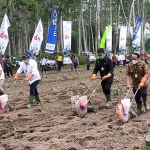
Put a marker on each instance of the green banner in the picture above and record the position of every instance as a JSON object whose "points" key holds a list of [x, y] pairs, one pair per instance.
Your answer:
{"points": [[103, 40]]}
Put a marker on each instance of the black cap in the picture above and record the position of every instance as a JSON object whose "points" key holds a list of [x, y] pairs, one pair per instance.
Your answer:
{"points": [[25, 55], [138, 56], [100, 50]]}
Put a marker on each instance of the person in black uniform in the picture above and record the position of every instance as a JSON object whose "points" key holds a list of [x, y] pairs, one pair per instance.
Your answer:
{"points": [[105, 66]]}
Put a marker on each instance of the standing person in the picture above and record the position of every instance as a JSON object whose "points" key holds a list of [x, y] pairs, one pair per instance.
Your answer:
{"points": [[105, 66], [76, 62], [114, 59], [88, 62], [59, 61], [43, 64], [29, 66], [123, 59], [138, 71], [8, 65], [118, 60], [2, 77], [145, 57], [72, 62]]}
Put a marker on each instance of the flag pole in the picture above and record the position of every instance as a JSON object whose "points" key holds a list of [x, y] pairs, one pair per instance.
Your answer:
{"points": [[7, 6]]}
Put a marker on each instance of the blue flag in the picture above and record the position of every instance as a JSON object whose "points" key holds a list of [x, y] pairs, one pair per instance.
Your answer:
{"points": [[138, 24], [52, 34]]}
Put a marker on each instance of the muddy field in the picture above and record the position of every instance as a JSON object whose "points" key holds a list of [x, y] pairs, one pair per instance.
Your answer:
{"points": [[54, 126]]}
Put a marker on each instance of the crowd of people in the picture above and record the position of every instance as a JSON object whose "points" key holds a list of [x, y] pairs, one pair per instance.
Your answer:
{"points": [[122, 59], [137, 70]]}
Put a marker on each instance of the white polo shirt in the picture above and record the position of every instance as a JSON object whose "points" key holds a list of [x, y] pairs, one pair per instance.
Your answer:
{"points": [[43, 61], [2, 74], [30, 68]]}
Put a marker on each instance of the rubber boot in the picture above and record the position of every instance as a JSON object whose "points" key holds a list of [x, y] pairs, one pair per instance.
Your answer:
{"points": [[31, 98], [108, 101], [38, 101], [146, 106], [139, 108]]}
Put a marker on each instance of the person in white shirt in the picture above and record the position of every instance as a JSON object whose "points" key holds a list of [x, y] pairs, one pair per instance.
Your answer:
{"points": [[29, 66], [2, 78], [43, 64]]}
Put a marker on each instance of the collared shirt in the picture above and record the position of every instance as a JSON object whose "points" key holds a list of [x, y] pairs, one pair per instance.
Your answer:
{"points": [[43, 61], [30, 68], [137, 72], [2, 74]]}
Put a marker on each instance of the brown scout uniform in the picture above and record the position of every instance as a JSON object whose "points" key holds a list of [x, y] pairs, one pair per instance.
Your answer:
{"points": [[137, 72]]}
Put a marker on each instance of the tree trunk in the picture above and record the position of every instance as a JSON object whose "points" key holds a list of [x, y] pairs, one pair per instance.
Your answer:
{"points": [[83, 31], [117, 31]]}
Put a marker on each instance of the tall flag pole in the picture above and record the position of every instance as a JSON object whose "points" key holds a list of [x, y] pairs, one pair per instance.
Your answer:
{"points": [[52, 34], [137, 33], [4, 39]]}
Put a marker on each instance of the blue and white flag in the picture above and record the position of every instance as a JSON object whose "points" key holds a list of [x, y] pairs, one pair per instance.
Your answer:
{"points": [[52, 34], [136, 33]]}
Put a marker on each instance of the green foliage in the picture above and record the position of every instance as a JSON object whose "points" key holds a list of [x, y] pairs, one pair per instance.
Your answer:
{"points": [[147, 44]]}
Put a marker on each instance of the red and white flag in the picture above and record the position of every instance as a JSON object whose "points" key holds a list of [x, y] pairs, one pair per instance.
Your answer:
{"points": [[37, 38], [4, 39]]}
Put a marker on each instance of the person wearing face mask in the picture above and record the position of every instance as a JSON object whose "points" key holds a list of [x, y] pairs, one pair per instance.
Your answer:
{"points": [[138, 71], [29, 66], [105, 66]]}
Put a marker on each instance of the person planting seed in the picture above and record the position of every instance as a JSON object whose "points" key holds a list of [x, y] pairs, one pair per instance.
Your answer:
{"points": [[105, 66], [32, 77], [138, 71]]}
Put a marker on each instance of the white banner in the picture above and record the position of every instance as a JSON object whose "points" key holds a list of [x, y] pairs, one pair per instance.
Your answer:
{"points": [[37, 38], [4, 39], [137, 40], [109, 41], [67, 29], [122, 39], [67, 60]]}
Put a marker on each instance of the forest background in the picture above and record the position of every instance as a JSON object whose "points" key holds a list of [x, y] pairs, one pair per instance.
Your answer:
{"points": [[89, 20]]}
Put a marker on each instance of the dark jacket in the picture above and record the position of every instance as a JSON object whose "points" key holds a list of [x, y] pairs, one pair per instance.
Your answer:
{"points": [[104, 66]]}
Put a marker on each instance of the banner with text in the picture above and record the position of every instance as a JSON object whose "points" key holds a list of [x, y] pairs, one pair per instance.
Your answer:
{"points": [[137, 33], [122, 39], [109, 41], [4, 39], [52, 34], [37, 39], [67, 29]]}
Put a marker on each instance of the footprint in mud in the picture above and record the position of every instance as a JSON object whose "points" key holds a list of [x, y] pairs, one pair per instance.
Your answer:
{"points": [[72, 148], [70, 117], [6, 136], [36, 138], [44, 130], [27, 148]]}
